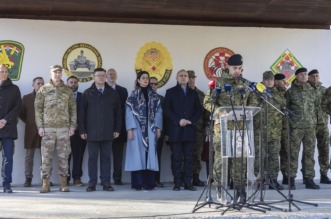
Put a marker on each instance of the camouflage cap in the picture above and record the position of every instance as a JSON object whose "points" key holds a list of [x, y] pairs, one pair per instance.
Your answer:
{"points": [[55, 67], [268, 75], [191, 74]]}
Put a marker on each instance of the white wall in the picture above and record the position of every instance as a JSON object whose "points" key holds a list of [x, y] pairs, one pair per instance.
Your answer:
{"points": [[46, 41]]}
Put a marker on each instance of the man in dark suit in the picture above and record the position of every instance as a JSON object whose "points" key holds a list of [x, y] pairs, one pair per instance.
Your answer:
{"points": [[32, 140], [99, 123], [183, 109], [78, 144], [118, 143]]}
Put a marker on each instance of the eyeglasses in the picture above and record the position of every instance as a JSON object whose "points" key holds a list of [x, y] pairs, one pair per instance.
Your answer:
{"points": [[153, 84]]}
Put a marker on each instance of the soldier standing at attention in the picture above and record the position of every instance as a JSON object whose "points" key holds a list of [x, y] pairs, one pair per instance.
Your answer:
{"points": [[322, 129], [301, 99], [201, 125], [56, 117]]}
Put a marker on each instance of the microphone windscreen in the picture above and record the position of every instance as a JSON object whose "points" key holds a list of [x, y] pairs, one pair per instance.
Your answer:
{"points": [[260, 87], [211, 84], [227, 87]]}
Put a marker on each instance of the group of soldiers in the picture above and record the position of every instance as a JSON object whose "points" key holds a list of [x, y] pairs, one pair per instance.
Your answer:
{"points": [[302, 118]]}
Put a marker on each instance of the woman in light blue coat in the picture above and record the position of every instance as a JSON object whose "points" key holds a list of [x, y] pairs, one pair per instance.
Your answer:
{"points": [[143, 118]]}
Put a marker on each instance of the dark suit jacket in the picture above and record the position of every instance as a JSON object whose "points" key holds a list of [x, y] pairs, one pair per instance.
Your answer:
{"points": [[100, 114], [123, 95], [179, 106], [78, 102], [27, 115]]}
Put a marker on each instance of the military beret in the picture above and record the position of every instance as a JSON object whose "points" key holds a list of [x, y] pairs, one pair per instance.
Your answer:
{"points": [[279, 76], [55, 67], [268, 75], [191, 74], [300, 70], [235, 59], [314, 71]]}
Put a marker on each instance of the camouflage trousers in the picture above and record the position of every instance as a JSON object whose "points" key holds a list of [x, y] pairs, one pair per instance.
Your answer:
{"points": [[197, 151], [217, 166], [307, 137], [283, 152], [58, 139], [323, 144]]}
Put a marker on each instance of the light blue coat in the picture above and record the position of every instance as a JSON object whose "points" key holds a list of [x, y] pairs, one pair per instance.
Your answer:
{"points": [[135, 157]]}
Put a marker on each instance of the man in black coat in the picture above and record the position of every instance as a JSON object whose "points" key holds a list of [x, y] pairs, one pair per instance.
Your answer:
{"points": [[78, 145], [99, 123], [183, 109], [10, 107], [118, 143]]}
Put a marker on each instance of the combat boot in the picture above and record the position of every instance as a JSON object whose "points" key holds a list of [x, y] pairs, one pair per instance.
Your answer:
{"points": [[275, 185], [310, 184], [241, 194], [325, 179], [292, 184], [197, 181], [28, 182], [285, 180], [45, 187], [64, 184]]}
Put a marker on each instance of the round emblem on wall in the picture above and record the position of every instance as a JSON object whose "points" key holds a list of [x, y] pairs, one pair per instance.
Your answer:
{"points": [[215, 62], [154, 58], [80, 60]]}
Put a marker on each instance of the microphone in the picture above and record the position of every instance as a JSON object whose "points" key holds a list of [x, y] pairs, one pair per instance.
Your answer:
{"points": [[227, 88], [241, 90], [211, 86], [262, 89], [218, 92], [244, 80]]}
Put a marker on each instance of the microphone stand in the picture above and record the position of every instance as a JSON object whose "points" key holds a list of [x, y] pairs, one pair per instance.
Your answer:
{"points": [[235, 204], [209, 200]]}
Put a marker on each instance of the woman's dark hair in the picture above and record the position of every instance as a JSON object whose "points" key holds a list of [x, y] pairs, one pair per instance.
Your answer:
{"points": [[139, 74]]}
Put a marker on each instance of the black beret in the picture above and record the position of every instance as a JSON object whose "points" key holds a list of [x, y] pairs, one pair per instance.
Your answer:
{"points": [[300, 70], [235, 59], [279, 76], [314, 71]]}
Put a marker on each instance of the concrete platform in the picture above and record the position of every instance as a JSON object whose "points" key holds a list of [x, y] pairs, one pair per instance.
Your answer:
{"points": [[159, 203]]}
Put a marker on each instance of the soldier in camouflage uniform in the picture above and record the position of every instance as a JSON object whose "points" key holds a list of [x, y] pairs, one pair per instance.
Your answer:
{"points": [[280, 85], [55, 111], [229, 76], [201, 125], [322, 129], [271, 121], [301, 99]]}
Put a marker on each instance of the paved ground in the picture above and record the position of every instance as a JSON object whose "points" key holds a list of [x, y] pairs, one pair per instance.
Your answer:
{"points": [[159, 203]]}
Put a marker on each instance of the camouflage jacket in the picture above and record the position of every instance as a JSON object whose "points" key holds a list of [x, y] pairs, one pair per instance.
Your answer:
{"points": [[326, 101], [301, 99], [282, 91], [321, 115], [224, 99], [203, 121], [274, 118], [55, 107]]}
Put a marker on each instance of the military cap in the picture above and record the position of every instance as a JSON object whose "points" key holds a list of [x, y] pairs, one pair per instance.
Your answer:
{"points": [[56, 67], [279, 76], [235, 59], [268, 75], [314, 71], [300, 70], [191, 74]]}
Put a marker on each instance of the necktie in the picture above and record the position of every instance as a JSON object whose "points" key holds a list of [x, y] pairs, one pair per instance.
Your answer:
{"points": [[100, 90], [184, 89]]}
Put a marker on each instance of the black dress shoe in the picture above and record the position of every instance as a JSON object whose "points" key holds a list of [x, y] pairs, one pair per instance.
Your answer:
{"points": [[7, 189], [118, 182], [189, 187], [176, 188], [325, 179], [90, 189], [108, 188]]}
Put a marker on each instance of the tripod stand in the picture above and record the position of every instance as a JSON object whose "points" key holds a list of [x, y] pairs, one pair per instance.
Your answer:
{"points": [[209, 200]]}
